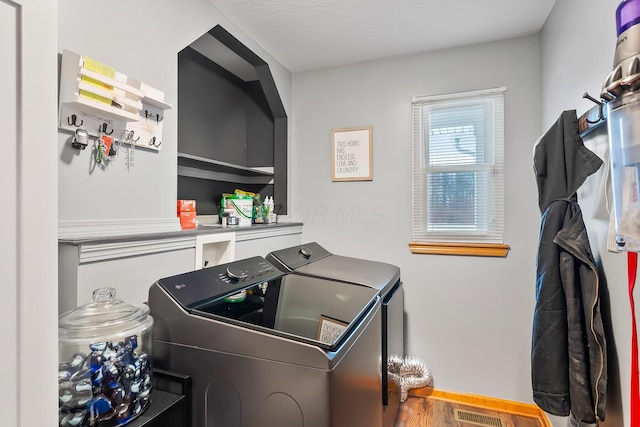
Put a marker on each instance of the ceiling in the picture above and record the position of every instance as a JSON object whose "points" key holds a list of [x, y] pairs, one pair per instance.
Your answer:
{"points": [[311, 34]]}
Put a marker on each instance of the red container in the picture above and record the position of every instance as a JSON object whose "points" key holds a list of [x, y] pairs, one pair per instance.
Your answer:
{"points": [[186, 205], [187, 219]]}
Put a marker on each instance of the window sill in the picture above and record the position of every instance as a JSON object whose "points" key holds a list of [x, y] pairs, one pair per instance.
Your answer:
{"points": [[466, 249]]}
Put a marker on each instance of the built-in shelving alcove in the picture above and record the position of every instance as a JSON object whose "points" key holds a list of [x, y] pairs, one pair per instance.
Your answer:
{"points": [[232, 126]]}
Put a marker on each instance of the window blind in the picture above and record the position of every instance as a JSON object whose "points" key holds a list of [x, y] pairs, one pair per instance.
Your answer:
{"points": [[458, 167]]}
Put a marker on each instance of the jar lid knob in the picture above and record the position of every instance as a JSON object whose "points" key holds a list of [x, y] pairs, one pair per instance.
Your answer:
{"points": [[104, 295]]}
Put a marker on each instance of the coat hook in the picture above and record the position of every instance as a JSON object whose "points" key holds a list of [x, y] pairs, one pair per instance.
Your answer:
{"points": [[591, 98], [128, 137], [147, 115], [153, 142], [73, 121], [103, 129], [599, 103]]}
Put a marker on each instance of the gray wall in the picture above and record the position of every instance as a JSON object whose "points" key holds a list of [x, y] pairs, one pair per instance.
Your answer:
{"points": [[577, 44], [468, 317], [141, 40]]}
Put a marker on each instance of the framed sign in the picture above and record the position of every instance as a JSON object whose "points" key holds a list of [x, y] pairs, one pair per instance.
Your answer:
{"points": [[330, 329], [352, 154]]}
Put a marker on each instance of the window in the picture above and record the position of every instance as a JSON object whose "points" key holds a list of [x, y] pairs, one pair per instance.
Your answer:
{"points": [[458, 167]]}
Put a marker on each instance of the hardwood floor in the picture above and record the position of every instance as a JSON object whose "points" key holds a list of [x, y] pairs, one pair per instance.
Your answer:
{"points": [[433, 408]]}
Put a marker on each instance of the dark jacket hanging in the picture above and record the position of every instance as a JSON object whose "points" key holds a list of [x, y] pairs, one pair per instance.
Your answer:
{"points": [[568, 355]]}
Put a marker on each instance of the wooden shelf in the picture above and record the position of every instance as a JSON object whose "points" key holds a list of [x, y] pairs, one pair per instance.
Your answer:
{"points": [[115, 89], [95, 97], [216, 165], [107, 80], [237, 110], [99, 109], [130, 104], [203, 168], [156, 103]]}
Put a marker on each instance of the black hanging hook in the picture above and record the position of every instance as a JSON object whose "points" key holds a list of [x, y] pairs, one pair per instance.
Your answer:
{"points": [[73, 121], [153, 142], [147, 115], [131, 137], [599, 103], [103, 129]]}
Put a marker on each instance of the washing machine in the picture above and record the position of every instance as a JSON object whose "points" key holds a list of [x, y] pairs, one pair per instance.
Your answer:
{"points": [[312, 260], [266, 348]]}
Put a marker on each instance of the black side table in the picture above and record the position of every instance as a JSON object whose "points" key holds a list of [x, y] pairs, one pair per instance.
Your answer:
{"points": [[170, 401]]}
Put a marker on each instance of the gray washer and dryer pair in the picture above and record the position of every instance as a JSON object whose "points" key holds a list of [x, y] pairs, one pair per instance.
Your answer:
{"points": [[313, 260], [265, 348]]}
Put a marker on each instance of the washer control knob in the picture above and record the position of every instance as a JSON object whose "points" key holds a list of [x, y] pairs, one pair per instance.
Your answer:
{"points": [[235, 275], [305, 252]]}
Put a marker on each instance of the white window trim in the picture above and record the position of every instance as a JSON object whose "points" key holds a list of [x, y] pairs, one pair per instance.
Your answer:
{"points": [[459, 95], [490, 246]]}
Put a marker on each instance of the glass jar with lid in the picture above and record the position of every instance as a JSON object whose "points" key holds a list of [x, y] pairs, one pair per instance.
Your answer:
{"points": [[104, 357]]}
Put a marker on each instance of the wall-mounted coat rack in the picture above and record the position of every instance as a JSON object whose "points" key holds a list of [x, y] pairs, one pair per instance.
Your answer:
{"points": [[593, 118], [96, 98]]}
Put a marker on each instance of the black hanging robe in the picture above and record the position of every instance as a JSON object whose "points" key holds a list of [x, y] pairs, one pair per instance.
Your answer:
{"points": [[568, 354]]}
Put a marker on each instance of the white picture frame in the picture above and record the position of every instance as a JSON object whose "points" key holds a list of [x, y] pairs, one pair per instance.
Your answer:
{"points": [[352, 154], [329, 329]]}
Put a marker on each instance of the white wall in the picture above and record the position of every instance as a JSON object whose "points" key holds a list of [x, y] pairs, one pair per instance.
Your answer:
{"points": [[468, 317], [577, 45], [142, 40]]}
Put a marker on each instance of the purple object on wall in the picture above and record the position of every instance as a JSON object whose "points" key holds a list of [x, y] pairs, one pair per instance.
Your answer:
{"points": [[627, 15]]}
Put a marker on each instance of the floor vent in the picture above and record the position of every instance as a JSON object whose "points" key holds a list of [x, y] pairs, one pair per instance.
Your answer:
{"points": [[478, 419]]}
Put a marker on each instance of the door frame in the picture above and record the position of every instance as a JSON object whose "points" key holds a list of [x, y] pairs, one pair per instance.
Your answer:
{"points": [[28, 307]]}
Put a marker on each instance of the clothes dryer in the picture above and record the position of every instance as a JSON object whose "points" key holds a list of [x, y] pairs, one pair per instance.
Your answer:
{"points": [[313, 260]]}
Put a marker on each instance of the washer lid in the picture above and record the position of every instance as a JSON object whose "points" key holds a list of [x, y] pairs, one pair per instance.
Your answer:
{"points": [[311, 259], [252, 293], [378, 275], [317, 311]]}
